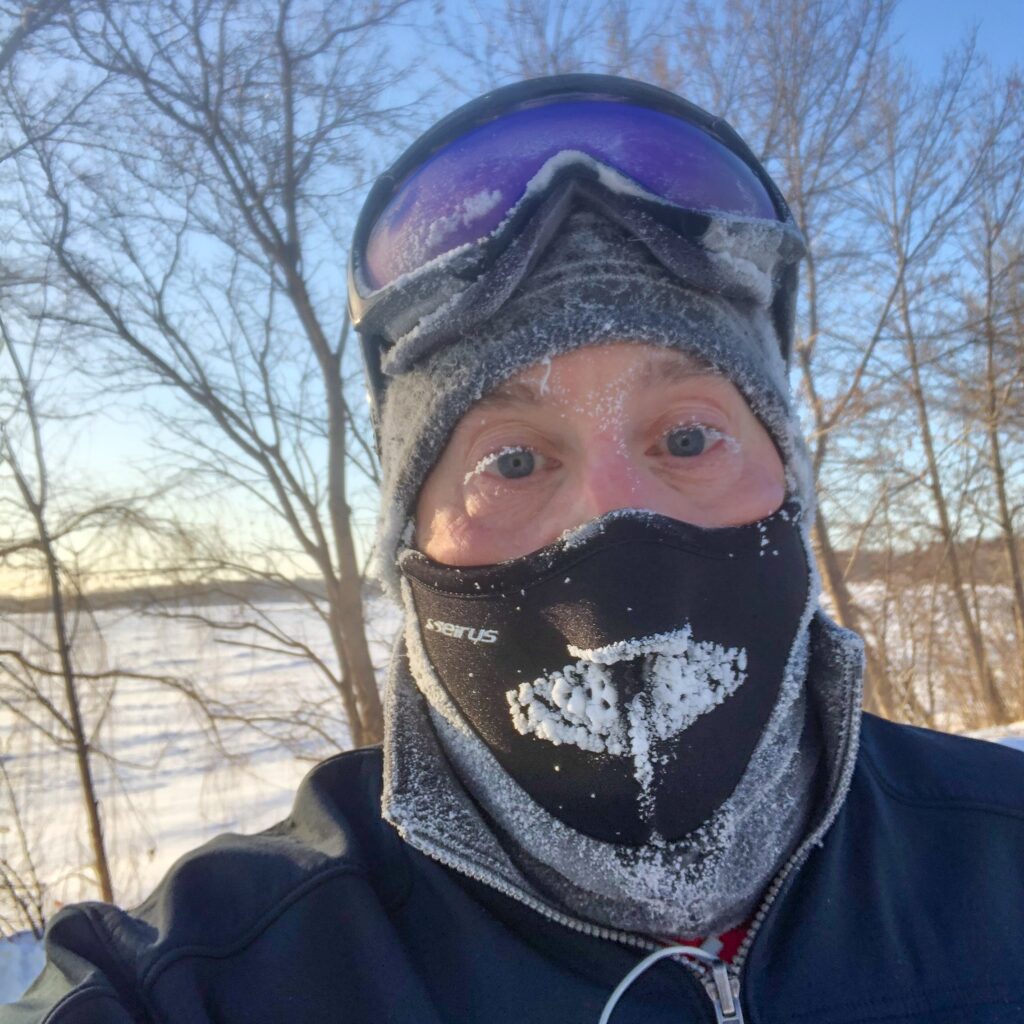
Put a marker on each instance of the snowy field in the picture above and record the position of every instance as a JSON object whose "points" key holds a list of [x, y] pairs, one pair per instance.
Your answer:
{"points": [[169, 787]]}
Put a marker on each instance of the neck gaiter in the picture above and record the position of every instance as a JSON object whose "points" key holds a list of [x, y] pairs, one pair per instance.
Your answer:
{"points": [[623, 676]]}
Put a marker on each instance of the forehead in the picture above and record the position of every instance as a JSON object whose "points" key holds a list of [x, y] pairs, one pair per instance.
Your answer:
{"points": [[616, 366]]}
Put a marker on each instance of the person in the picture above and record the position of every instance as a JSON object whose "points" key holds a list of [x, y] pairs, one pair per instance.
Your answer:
{"points": [[625, 775]]}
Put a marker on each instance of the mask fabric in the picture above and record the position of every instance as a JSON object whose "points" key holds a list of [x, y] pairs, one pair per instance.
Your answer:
{"points": [[623, 676]]}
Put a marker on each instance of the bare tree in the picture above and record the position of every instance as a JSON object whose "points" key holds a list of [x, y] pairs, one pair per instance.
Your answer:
{"points": [[921, 198], [23, 892], [993, 246], [21, 21], [504, 41], [200, 219], [27, 673], [797, 76]]}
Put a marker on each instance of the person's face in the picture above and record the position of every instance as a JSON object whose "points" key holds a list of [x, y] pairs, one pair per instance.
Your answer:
{"points": [[594, 430]]}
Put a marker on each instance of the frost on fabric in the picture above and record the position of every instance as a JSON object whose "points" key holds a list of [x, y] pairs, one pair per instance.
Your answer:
{"points": [[745, 253], [579, 704], [705, 882]]}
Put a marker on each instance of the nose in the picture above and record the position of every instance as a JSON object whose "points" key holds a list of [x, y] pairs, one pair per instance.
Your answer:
{"points": [[614, 477]]}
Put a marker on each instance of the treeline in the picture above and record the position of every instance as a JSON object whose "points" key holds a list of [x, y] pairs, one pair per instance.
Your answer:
{"points": [[985, 560], [166, 596], [178, 182]]}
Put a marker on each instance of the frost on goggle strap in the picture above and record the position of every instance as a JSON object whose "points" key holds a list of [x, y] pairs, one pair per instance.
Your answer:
{"points": [[462, 193]]}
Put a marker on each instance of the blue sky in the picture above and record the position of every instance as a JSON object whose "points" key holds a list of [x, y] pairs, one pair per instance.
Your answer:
{"points": [[931, 27]]}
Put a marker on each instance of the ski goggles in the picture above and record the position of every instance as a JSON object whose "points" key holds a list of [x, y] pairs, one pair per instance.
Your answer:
{"points": [[451, 229]]}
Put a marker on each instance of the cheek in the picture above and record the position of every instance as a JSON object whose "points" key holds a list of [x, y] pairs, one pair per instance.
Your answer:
{"points": [[458, 537], [763, 487], [442, 534], [438, 523]]}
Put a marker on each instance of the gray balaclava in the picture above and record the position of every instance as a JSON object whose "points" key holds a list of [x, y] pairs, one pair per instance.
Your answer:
{"points": [[444, 790]]}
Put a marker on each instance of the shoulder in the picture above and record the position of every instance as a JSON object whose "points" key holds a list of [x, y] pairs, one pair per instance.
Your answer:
{"points": [[223, 888], [924, 861], [933, 814], [234, 893], [924, 768]]}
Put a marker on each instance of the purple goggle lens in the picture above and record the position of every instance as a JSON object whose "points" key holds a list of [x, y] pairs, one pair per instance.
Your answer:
{"points": [[466, 189]]}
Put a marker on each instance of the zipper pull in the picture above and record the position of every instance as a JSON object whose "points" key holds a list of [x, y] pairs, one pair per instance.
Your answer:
{"points": [[724, 993]]}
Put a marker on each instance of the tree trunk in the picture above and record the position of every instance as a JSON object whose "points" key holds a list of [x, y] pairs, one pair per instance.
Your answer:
{"points": [[1003, 512], [352, 627], [877, 697], [876, 681], [36, 507], [345, 589], [92, 806], [983, 671]]}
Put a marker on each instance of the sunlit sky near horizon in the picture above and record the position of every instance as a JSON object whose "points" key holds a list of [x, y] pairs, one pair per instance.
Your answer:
{"points": [[111, 452]]}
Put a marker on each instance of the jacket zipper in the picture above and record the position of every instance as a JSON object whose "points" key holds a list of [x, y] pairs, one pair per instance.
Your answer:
{"points": [[721, 985], [723, 989]]}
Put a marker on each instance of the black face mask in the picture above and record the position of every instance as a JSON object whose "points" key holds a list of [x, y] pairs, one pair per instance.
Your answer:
{"points": [[624, 676]]}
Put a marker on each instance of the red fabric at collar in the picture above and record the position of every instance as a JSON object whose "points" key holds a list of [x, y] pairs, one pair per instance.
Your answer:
{"points": [[730, 940]]}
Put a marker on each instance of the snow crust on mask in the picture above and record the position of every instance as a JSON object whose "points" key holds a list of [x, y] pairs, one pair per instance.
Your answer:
{"points": [[429, 805], [580, 704]]}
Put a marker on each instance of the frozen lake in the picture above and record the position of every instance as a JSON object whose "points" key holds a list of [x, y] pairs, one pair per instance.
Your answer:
{"points": [[170, 782]]}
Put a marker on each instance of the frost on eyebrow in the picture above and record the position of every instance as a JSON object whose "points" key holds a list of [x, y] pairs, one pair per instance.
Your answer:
{"points": [[666, 366], [511, 392], [542, 384]]}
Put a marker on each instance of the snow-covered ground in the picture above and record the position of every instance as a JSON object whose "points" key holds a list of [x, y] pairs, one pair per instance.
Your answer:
{"points": [[1010, 735], [171, 788]]}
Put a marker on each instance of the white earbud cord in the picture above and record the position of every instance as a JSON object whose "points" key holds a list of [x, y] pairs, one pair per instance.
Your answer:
{"points": [[729, 1012]]}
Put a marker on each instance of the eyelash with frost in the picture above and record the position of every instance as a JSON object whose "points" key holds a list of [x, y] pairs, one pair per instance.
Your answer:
{"points": [[487, 460]]}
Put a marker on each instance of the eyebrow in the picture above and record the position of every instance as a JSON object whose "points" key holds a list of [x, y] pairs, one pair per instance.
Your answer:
{"points": [[659, 368], [512, 392], [669, 368]]}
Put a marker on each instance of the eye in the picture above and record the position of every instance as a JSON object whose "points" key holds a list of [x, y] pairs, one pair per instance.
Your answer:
{"points": [[515, 464], [688, 441]]}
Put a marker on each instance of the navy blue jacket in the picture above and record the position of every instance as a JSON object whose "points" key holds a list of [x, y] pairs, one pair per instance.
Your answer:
{"points": [[911, 910]]}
